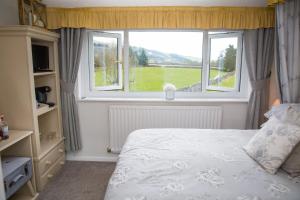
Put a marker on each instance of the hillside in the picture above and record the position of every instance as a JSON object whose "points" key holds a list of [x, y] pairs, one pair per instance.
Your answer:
{"points": [[160, 58]]}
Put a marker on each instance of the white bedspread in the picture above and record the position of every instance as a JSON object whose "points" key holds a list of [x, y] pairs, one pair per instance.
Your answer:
{"points": [[194, 164]]}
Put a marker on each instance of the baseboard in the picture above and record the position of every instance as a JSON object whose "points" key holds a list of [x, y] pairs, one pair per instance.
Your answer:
{"points": [[93, 158]]}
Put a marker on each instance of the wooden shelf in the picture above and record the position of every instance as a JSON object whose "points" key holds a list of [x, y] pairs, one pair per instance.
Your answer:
{"points": [[18, 144], [44, 109], [18, 40], [48, 144], [14, 137], [44, 73]]}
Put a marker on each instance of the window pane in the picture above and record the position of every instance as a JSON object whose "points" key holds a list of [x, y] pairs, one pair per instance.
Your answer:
{"points": [[106, 71], [222, 63], [157, 58]]}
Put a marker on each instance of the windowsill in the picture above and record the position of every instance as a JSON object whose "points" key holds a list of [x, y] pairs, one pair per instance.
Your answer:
{"points": [[178, 100]]}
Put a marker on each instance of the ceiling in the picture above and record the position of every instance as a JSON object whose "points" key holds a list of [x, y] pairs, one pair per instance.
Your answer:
{"points": [[123, 3]]}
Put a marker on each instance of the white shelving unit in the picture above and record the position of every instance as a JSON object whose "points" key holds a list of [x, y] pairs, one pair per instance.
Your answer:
{"points": [[18, 102]]}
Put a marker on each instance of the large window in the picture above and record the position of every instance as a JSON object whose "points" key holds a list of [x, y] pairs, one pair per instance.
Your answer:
{"points": [[129, 63], [157, 58]]}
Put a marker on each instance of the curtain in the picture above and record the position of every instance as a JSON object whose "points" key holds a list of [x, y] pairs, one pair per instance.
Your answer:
{"points": [[259, 55], [162, 17], [70, 51], [288, 50], [274, 2]]}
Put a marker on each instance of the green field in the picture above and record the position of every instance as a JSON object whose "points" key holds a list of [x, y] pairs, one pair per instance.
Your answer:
{"points": [[154, 78]]}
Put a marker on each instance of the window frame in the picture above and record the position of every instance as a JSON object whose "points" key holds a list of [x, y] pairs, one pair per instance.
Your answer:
{"points": [[91, 61], [85, 90], [238, 61]]}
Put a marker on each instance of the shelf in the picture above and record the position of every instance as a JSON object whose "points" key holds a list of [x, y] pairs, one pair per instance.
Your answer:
{"points": [[44, 109], [47, 145], [18, 144], [43, 73], [43, 119], [14, 137]]}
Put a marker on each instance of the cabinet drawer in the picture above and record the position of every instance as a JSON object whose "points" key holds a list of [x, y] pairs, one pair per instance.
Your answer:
{"points": [[46, 162], [45, 178]]}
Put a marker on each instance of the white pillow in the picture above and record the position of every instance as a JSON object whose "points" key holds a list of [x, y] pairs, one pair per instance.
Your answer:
{"points": [[291, 116], [292, 164], [273, 143], [287, 117], [278, 110]]}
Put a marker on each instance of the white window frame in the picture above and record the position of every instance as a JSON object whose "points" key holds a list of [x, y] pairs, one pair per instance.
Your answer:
{"points": [[86, 91], [91, 35], [221, 35]]}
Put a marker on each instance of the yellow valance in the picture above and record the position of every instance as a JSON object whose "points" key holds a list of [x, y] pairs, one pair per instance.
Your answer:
{"points": [[274, 2], [161, 18]]}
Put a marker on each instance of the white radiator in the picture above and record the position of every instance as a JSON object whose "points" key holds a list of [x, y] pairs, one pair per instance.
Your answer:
{"points": [[125, 119]]}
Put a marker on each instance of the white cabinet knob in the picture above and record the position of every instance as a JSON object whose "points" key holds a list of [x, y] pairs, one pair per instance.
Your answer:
{"points": [[62, 163], [60, 150], [48, 162], [50, 176]]}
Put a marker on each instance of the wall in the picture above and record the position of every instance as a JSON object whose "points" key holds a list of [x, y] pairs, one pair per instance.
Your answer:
{"points": [[9, 14], [95, 125], [274, 90]]}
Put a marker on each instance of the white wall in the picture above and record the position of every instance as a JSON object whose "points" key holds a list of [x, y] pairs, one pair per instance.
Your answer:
{"points": [[9, 14], [95, 125], [274, 90]]}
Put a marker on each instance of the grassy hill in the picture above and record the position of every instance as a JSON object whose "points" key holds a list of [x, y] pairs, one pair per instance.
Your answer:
{"points": [[160, 58]]}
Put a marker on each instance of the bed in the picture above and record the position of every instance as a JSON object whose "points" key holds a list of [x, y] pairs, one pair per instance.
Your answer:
{"points": [[194, 164]]}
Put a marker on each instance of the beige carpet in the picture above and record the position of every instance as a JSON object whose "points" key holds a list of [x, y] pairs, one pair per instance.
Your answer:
{"points": [[79, 181]]}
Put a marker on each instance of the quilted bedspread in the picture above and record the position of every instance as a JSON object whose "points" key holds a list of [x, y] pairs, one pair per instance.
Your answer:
{"points": [[194, 164]]}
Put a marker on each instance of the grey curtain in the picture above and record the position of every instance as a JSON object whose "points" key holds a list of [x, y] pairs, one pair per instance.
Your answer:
{"points": [[259, 55], [70, 51], [288, 50]]}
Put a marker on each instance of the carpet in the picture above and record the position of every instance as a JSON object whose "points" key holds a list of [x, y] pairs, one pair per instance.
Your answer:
{"points": [[79, 181]]}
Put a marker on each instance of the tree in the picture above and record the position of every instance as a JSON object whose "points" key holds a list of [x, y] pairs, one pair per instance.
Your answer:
{"points": [[230, 59], [213, 64], [133, 57], [143, 58]]}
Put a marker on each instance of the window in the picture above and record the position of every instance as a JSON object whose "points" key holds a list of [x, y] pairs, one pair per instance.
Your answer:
{"points": [[139, 63], [224, 61], [105, 61], [157, 58]]}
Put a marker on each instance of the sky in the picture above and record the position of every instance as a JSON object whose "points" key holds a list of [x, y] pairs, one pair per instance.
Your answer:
{"points": [[218, 45], [182, 43]]}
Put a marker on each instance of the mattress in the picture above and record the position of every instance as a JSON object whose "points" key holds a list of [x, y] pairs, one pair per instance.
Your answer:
{"points": [[194, 164]]}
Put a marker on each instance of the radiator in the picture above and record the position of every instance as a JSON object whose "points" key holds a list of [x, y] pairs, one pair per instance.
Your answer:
{"points": [[124, 119]]}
